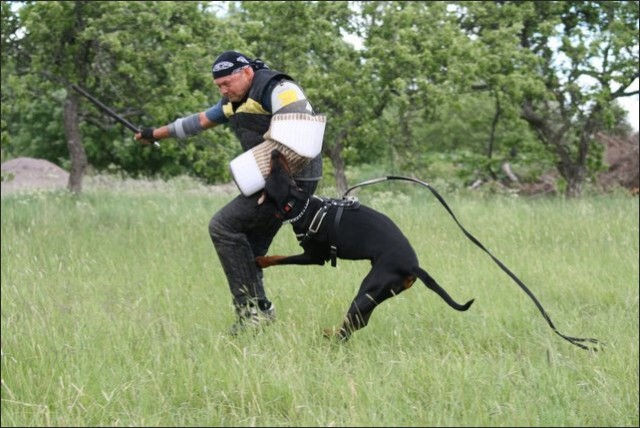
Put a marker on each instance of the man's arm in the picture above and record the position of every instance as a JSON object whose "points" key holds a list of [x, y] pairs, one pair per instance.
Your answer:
{"points": [[181, 128]]}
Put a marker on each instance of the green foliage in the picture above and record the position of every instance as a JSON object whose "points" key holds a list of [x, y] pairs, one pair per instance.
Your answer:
{"points": [[569, 70], [143, 59], [494, 81]]}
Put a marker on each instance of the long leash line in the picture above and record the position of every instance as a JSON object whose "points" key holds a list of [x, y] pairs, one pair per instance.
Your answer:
{"points": [[573, 340]]}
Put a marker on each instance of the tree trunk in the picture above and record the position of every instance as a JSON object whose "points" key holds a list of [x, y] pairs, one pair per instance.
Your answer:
{"points": [[572, 167], [335, 155], [492, 136], [574, 188], [572, 170], [74, 143], [574, 175]]}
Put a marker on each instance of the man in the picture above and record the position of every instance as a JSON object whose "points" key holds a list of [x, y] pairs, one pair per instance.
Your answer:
{"points": [[242, 230]]}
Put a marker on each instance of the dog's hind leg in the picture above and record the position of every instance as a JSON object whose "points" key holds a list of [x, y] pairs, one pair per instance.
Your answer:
{"points": [[378, 286]]}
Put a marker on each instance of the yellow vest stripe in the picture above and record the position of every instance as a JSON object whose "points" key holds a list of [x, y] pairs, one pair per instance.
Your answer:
{"points": [[250, 107]]}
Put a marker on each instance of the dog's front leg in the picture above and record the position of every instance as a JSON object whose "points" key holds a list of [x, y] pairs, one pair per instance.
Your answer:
{"points": [[266, 261], [300, 259]]}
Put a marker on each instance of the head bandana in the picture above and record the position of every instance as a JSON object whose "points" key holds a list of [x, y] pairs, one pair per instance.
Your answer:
{"points": [[230, 61]]}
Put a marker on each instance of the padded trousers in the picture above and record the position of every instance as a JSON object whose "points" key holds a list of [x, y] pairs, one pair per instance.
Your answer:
{"points": [[241, 231]]}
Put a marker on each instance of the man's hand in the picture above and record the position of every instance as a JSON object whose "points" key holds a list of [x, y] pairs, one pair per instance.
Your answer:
{"points": [[146, 136]]}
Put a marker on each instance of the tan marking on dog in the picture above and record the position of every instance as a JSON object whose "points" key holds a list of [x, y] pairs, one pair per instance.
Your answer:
{"points": [[266, 261], [408, 282]]}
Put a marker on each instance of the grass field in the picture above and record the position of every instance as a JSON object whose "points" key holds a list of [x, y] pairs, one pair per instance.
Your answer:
{"points": [[115, 311]]}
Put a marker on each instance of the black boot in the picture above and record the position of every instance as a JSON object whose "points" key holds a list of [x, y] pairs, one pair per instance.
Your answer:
{"points": [[253, 316]]}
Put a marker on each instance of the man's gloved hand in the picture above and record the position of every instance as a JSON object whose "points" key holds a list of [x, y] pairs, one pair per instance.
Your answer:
{"points": [[147, 134]]}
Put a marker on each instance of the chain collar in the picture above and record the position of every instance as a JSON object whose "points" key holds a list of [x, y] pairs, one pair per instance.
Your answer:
{"points": [[299, 216]]}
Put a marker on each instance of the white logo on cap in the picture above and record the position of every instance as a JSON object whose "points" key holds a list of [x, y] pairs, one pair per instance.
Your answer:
{"points": [[222, 66], [242, 59]]}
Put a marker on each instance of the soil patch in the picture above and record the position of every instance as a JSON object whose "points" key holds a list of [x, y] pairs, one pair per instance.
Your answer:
{"points": [[32, 174], [29, 174]]}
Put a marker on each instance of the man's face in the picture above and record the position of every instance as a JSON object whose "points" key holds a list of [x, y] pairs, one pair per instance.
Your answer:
{"points": [[235, 85]]}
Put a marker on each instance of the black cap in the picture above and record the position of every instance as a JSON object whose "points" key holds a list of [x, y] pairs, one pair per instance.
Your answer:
{"points": [[228, 62]]}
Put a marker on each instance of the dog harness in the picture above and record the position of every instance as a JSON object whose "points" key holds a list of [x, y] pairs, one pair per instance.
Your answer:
{"points": [[349, 203]]}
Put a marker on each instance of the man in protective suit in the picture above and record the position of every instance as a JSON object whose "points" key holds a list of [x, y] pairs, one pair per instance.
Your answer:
{"points": [[254, 99]]}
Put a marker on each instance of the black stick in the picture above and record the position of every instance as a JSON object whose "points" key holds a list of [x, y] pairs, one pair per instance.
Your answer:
{"points": [[110, 112]]}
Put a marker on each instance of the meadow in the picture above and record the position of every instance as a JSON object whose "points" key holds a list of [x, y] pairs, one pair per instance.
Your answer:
{"points": [[115, 312]]}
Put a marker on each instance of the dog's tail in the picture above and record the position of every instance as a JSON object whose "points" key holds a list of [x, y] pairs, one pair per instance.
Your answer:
{"points": [[434, 286]]}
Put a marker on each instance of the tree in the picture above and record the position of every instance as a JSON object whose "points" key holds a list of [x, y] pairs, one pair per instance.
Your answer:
{"points": [[313, 51], [459, 78], [400, 70], [12, 57], [421, 65], [147, 60], [566, 63]]}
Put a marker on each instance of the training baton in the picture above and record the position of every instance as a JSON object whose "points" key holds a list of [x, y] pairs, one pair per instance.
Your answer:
{"points": [[110, 112]]}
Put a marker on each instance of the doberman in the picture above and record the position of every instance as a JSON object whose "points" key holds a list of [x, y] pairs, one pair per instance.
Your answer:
{"points": [[330, 228]]}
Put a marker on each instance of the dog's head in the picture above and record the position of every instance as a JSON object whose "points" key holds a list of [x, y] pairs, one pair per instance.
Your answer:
{"points": [[281, 189]]}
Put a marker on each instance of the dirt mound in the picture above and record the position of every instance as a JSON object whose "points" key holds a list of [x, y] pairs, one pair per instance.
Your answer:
{"points": [[29, 173], [621, 154], [621, 157]]}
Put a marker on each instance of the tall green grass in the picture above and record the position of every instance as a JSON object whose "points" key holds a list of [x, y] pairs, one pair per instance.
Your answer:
{"points": [[115, 309]]}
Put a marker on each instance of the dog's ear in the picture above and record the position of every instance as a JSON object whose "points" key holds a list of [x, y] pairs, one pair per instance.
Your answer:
{"points": [[284, 163], [279, 160], [275, 160], [275, 153]]}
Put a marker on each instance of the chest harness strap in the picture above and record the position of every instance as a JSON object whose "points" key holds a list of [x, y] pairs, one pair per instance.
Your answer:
{"points": [[350, 203]]}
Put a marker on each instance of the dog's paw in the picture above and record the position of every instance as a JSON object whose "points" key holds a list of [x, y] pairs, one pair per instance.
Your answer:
{"points": [[329, 333], [337, 334]]}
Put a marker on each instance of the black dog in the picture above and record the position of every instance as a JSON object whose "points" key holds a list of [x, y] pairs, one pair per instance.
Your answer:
{"points": [[328, 229]]}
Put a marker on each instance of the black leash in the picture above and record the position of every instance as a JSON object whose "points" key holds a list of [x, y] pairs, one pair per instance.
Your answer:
{"points": [[573, 340]]}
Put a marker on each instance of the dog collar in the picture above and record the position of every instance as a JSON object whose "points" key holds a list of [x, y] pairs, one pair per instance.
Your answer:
{"points": [[299, 216]]}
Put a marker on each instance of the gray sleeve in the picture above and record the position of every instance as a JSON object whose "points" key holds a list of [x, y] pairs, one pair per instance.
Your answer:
{"points": [[186, 126]]}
